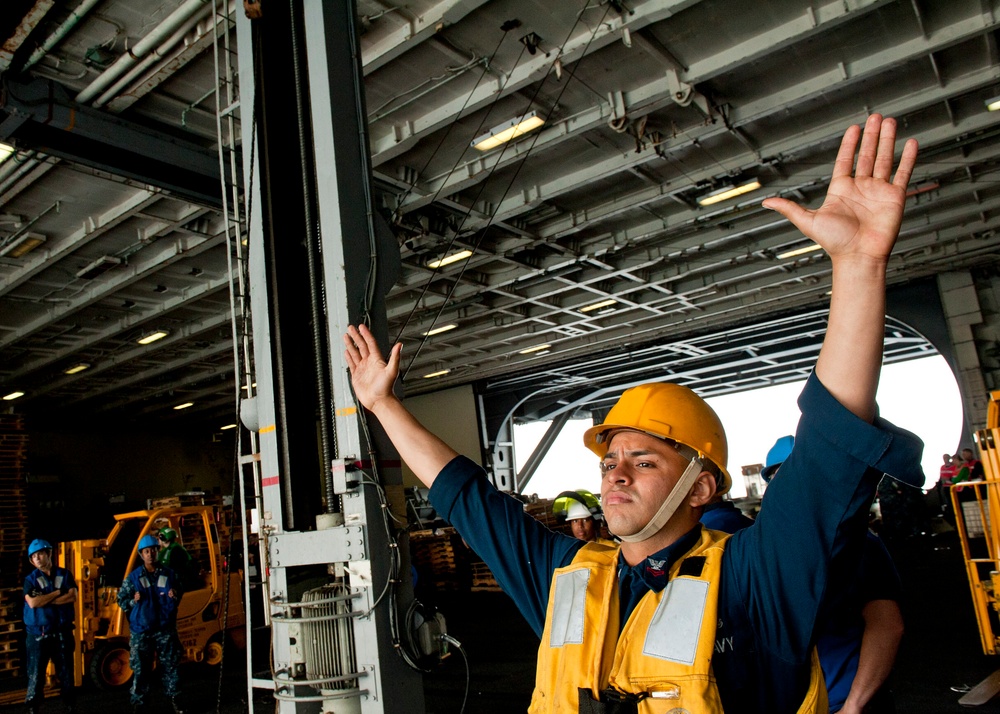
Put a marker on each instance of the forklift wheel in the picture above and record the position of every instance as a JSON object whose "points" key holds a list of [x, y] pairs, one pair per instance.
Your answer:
{"points": [[213, 651], [109, 667]]}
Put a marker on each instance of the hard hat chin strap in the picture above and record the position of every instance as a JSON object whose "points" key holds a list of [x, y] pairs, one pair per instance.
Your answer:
{"points": [[670, 505]]}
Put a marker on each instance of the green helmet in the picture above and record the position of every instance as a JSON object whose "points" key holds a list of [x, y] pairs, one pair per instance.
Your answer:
{"points": [[570, 505], [168, 535]]}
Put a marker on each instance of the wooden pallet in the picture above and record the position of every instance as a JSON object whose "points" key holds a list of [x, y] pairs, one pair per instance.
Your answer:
{"points": [[482, 578]]}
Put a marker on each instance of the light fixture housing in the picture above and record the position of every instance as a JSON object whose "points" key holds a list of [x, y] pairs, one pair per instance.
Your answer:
{"points": [[438, 330], [22, 245], [992, 104], [502, 133], [799, 251], [151, 337], [449, 259], [727, 192], [98, 267], [76, 368], [439, 373], [599, 305], [12, 396], [536, 348]]}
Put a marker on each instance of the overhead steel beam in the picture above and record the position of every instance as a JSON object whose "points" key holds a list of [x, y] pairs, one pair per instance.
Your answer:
{"points": [[93, 229], [152, 259], [385, 47], [40, 115], [129, 322], [389, 144], [642, 101], [176, 339]]}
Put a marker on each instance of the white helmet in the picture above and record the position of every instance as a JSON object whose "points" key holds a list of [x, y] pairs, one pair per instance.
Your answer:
{"points": [[577, 510]]}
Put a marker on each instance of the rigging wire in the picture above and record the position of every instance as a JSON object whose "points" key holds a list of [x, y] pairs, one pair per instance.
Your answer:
{"points": [[520, 164]]}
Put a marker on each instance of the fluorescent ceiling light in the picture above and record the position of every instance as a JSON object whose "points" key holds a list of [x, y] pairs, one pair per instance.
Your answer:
{"points": [[512, 129], [185, 405], [13, 395], [800, 251], [248, 386], [439, 330], [993, 104], [727, 192], [439, 373], [536, 348], [5, 151], [227, 426], [598, 305], [153, 337], [77, 368], [22, 245], [449, 259]]}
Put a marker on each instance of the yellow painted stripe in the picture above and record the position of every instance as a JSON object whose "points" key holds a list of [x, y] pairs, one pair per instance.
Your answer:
{"points": [[266, 429], [347, 411]]}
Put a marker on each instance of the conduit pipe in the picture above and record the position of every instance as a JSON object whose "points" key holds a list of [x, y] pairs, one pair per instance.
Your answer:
{"points": [[164, 30], [52, 40], [155, 56]]}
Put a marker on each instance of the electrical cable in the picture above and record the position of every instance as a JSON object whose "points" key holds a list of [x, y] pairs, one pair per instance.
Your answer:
{"points": [[444, 182], [461, 650], [510, 184]]}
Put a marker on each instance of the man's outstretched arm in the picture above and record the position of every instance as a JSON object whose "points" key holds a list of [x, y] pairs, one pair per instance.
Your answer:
{"points": [[857, 226], [373, 377]]}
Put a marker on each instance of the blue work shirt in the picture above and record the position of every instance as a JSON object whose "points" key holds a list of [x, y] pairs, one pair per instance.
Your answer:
{"points": [[842, 626], [724, 516], [774, 573], [48, 618], [156, 610]]}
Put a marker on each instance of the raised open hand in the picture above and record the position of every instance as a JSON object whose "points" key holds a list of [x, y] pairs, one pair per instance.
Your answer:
{"points": [[864, 206], [371, 375]]}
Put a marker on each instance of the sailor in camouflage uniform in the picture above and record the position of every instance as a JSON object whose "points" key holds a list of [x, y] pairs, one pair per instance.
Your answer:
{"points": [[150, 596]]}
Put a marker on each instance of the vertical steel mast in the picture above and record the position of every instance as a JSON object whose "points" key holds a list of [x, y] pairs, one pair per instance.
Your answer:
{"points": [[319, 259]]}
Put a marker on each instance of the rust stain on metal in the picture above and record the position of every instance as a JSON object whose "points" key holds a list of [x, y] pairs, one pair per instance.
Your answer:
{"points": [[28, 24]]}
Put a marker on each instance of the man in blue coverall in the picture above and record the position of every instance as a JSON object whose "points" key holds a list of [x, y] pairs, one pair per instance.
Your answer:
{"points": [[49, 616], [149, 596], [641, 628]]}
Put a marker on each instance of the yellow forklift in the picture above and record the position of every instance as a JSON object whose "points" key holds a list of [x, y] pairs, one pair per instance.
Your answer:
{"points": [[211, 606]]}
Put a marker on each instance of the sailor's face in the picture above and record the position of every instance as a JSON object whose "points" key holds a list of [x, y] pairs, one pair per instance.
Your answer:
{"points": [[584, 528], [639, 471]]}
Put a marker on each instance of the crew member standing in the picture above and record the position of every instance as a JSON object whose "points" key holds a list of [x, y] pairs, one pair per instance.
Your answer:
{"points": [[150, 596], [49, 594], [679, 617]]}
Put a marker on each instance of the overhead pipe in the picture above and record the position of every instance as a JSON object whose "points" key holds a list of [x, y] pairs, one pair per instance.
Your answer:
{"points": [[64, 29], [153, 57], [163, 31]]}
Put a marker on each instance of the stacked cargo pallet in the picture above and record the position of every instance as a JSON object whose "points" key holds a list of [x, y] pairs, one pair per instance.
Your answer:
{"points": [[483, 579], [440, 555], [13, 540], [188, 498]]}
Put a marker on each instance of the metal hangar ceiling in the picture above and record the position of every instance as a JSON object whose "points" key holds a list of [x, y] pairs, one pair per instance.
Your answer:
{"points": [[591, 251]]}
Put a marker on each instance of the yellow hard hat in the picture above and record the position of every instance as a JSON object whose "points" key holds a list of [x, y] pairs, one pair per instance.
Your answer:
{"points": [[667, 411]]}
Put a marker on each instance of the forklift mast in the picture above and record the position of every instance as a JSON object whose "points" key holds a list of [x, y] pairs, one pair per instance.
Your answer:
{"points": [[319, 485]]}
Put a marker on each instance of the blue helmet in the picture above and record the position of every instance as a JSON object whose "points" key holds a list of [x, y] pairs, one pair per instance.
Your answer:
{"points": [[147, 541], [37, 545], [776, 456]]}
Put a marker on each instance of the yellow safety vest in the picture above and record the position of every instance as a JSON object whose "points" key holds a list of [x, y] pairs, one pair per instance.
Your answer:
{"points": [[664, 652]]}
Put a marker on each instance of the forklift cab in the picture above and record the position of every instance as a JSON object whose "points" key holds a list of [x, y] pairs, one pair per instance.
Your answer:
{"points": [[101, 566]]}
